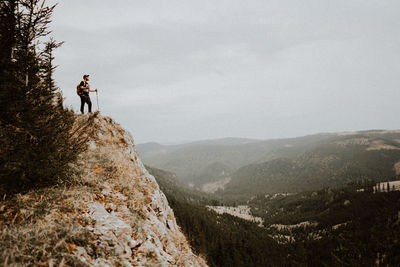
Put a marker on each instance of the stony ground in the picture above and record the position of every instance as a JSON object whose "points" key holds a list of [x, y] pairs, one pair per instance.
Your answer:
{"points": [[115, 215]]}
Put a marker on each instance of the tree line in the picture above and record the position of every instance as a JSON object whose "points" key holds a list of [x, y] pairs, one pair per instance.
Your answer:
{"points": [[38, 137], [354, 227]]}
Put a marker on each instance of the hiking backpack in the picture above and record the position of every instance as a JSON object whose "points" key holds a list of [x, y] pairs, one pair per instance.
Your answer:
{"points": [[79, 90]]}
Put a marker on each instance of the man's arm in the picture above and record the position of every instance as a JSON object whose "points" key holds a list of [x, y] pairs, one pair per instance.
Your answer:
{"points": [[82, 85], [87, 87]]}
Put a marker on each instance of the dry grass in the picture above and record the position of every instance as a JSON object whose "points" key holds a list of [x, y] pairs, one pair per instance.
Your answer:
{"points": [[45, 227], [55, 227], [37, 229], [40, 227]]}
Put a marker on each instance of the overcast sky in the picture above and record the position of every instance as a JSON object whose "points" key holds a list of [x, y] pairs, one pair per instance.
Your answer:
{"points": [[172, 71]]}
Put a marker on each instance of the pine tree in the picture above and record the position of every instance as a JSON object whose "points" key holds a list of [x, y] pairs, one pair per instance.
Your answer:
{"points": [[36, 139]]}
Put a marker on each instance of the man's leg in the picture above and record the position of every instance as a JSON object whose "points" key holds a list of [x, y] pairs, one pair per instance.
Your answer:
{"points": [[82, 103], [89, 104]]}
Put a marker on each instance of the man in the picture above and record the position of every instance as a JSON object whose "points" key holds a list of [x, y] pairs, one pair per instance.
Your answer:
{"points": [[84, 93]]}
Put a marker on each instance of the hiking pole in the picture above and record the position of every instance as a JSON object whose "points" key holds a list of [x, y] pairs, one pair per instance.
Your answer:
{"points": [[97, 98]]}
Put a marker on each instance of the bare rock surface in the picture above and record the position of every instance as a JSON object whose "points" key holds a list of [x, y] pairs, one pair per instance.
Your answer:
{"points": [[127, 215]]}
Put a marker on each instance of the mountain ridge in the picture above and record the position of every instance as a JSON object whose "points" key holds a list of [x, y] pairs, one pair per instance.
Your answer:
{"points": [[337, 158]]}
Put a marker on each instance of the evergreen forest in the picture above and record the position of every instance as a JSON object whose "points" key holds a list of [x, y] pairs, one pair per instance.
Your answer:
{"points": [[351, 226]]}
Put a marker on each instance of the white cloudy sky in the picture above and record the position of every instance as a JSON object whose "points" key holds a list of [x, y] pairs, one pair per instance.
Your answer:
{"points": [[175, 70]]}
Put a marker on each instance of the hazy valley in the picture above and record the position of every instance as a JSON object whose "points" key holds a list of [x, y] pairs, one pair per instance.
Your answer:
{"points": [[244, 168], [339, 191]]}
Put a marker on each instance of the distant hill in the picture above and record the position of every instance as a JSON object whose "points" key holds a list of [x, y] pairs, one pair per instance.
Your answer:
{"points": [[226, 141], [152, 149], [205, 161], [331, 163], [281, 165]]}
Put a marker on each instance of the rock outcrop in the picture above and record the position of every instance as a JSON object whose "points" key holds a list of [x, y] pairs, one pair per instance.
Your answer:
{"points": [[113, 214], [129, 217]]}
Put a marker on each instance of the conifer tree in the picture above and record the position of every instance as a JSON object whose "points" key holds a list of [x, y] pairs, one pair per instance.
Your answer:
{"points": [[36, 143]]}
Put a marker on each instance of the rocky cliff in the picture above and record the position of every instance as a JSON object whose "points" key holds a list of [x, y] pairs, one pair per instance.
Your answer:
{"points": [[114, 215]]}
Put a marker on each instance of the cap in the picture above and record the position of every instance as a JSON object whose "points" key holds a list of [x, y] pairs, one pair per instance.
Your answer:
{"points": [[86, 75]]}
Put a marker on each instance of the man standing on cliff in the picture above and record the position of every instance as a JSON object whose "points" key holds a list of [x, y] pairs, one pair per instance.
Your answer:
{"points": [[83, 92]]}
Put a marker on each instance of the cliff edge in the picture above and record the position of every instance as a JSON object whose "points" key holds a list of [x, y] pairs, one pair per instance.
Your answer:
{"points": [[115, 215]]}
